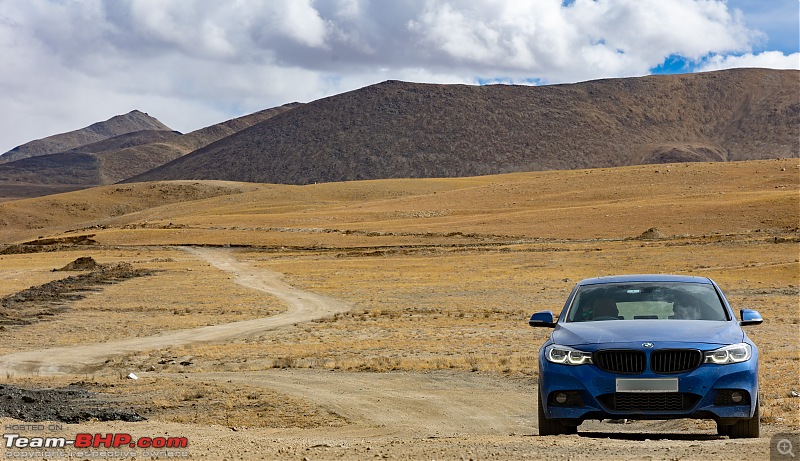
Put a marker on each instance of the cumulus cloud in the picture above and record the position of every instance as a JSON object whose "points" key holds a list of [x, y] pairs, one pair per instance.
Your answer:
{"points": [[192, 63]]}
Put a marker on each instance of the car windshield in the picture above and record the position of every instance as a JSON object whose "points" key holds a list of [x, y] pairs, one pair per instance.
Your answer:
{"points": [[646, 300]]}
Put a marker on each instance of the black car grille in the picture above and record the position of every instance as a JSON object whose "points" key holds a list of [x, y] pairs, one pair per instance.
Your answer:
{"points": [[620, 361], [632, 362], [649, 402], [675, 360]]}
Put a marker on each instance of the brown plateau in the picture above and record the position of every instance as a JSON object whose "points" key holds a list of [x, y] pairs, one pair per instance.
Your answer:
{"points": [[381, 318]]}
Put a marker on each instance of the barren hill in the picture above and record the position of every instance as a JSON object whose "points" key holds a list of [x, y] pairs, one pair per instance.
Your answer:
{"points": [[136, 138], [115, 126], [396, 129], [73, 168], [114, 159], [205, 136], [119, 164]]}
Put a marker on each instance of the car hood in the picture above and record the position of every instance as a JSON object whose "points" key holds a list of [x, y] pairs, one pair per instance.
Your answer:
{"points": [[630, 331]]}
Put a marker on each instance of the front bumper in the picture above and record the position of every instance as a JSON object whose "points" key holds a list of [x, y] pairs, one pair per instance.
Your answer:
{"points": [[703, 393]]}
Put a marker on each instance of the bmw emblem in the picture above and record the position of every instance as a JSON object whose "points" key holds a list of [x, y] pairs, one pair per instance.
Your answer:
{"points": [[648, 345]]}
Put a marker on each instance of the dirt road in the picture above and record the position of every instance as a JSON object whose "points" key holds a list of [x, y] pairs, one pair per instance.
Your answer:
{"points": [[302, 306], [438, 404]]}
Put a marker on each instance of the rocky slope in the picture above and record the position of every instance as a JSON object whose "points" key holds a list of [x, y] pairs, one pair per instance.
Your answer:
{"points": [[396, 129]]}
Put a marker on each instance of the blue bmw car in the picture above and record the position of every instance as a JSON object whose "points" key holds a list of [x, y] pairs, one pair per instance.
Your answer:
{"points": [[648, 347]]}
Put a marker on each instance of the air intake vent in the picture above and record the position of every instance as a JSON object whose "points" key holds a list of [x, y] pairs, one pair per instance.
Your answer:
{"points": [[653, 402]]}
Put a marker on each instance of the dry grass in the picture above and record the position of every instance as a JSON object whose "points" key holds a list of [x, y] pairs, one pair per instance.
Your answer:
{"points": [[688, 199], [441, 274]]}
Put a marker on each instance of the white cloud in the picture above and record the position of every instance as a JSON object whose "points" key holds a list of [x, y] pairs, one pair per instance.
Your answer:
{"points": [[768, 59], [649, 28], [191, 63], [587, 39]]}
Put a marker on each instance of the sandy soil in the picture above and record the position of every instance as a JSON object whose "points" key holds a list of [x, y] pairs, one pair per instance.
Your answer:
{"points": [[406, 415]]}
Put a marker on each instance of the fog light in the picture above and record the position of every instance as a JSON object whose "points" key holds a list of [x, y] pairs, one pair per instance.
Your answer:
{"points": [[736, 397], [561, 398]]}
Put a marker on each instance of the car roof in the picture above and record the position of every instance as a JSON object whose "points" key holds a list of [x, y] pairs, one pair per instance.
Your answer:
{"points": [[645, 278]]}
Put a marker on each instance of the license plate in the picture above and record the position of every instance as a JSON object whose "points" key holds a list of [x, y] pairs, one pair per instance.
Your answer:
{"points": [[647, 385]]}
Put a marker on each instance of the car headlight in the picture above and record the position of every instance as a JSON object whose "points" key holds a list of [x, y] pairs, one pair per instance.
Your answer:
{"points": [[567, 355], [734, 353]]}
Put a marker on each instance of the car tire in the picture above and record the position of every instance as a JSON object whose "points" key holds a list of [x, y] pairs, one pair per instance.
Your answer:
{"points": [[553, 426], [723, 429], [749, 428]]}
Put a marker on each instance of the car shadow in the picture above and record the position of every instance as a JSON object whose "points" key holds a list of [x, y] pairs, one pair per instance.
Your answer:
{"points": [[638, 436]]}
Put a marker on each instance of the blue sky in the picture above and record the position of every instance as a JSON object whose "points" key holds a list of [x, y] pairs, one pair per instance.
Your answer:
{"points": [[778, 20], [193, 63]]}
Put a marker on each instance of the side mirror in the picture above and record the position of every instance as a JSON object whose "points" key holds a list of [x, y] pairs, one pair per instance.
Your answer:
{"points": [[750, 317], [542, 319]]}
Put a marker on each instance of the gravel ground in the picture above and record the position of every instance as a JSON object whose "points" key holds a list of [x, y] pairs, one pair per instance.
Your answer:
{"points": [[72, 404]]}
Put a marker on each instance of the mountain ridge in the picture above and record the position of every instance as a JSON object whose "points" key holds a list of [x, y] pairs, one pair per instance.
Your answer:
{"points": [[133, 121], [408, 130], [114, 159]]}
